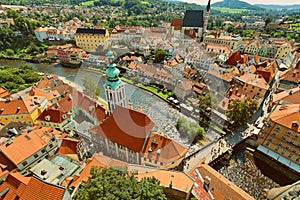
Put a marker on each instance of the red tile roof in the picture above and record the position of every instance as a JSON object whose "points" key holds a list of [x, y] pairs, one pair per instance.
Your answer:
{"points": [[288, 96], [177, 23], [198, 189], [37, 189], [180, 181], [98, 160], [3, 92], [292, 75], [30, 188], [27, 144], [223, 188], [77, 98], [253, 79], [46, 81], [234, 58], [20, 106], [50, 95], [126, 127], [68, 146], [163, 149], [287, 115], [54, 116]]}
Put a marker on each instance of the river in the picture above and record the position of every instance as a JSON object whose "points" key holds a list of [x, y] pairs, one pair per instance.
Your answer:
{"points": [[161, 113]]}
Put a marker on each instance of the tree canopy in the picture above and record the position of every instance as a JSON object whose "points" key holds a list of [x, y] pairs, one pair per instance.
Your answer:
{"points": [[90, 88], [16, 79], [160, 54], [191, 130], [241, 111], [118, 183]]}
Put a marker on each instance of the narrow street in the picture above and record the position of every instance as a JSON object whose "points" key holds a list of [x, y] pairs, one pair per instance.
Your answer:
{"points": [[221, 145]]}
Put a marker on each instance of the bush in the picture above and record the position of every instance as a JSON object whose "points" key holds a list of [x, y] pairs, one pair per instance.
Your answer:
{"points": [[191, 130]]}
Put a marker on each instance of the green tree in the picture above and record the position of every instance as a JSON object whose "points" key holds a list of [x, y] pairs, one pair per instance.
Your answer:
{"points": [[118, 183], [230, 29], [191, 130], [240, 112], [160, 54], [268, 20], [90, 88]]}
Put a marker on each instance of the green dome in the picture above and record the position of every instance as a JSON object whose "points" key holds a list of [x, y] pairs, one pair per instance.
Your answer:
{"points": [[112, 72]]}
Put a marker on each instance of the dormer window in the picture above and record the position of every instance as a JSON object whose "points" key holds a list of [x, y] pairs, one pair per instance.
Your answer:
{"points": [[294, 124], [158, 151]]}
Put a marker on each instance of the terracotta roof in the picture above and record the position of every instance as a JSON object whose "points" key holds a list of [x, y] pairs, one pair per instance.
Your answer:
{"points": [[288, 96], [188, 72], [27, 144], [68, 146], [49, 80], [98, 160], [199, 88], [222, 75], [37, 189], [30, 188], [16, 184], [234, 58], [50, 95], [292, 75], [3, 92], [223, 188], [133, 65], [288, 116], [179, 180], [19, 106], [177, 23], [54, 116], [253, 79], [163, 149], [199, 191], [269, 71], [77, 98], [125, 127]]}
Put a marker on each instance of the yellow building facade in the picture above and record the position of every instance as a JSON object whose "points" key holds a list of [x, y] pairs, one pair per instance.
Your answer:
{"points": [[22, 110], [90, 39]]}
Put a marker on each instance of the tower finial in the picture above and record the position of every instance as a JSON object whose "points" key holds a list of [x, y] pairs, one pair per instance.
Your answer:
{"points": [[208, 6]]}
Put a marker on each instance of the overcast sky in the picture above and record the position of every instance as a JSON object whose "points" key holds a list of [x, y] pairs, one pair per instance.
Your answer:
{"points": [[277, 2]]}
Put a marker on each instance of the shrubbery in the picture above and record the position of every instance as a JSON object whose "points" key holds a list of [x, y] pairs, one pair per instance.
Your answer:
{"points": [[191, 130]]}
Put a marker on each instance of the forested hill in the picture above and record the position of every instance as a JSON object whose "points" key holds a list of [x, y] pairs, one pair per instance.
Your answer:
{"points": [[236, 4], [121, 3]]}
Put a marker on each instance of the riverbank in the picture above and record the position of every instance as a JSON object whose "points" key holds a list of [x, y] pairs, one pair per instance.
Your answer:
{"points": [[32, 60], [128, 81]]}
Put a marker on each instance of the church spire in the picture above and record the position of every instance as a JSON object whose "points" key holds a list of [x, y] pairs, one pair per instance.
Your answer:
{"points": [[112, 72], [114, 88], [208, 6]]}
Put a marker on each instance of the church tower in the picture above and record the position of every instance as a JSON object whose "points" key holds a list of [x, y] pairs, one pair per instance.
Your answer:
{"points": [[206, 16], [114, 88]]}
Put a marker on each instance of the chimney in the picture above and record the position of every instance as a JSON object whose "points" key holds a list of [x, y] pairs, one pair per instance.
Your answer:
{"points": [[129, 105], [171, 184], [139, 109], [43, 172]]}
